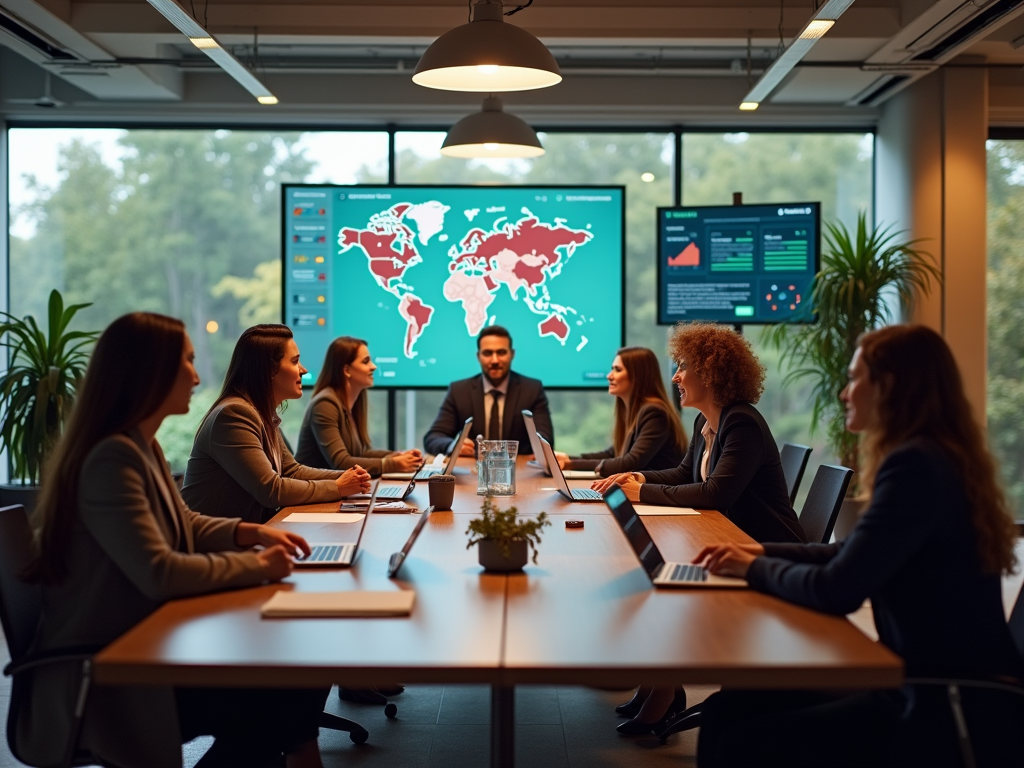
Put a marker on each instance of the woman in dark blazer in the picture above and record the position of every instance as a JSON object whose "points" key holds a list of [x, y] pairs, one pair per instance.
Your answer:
{"points": [[115, 542], [240, 463], [647, 432], [334, 433], [928, 553], [732, 465]]}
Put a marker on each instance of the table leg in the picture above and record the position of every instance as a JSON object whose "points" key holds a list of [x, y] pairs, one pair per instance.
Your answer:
{"points": [[503, 726]]}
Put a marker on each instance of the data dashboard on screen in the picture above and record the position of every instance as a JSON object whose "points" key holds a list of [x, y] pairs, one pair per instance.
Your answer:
{"points": [[737, 264], [419, 271]]}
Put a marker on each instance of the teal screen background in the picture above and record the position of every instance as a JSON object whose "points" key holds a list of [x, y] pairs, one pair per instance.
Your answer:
{"points": [[561, 249]]}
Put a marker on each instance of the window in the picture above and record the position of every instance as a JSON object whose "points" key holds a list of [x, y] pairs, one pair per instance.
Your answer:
{"points": [[1005, 408]]}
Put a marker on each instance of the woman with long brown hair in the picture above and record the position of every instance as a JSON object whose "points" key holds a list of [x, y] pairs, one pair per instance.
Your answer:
{"points": [[116, 541], [335, 432], [647, 433], [928, 553], [240, 462]]}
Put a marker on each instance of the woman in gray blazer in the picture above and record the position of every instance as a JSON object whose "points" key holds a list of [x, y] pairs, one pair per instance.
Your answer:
{"points": [[648, 433], [240, 463], [334, 432], [115, 542]]}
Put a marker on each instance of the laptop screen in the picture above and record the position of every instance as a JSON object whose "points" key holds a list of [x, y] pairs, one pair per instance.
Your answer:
{"points": [[531, 432], [456, 447], [636, 532]]}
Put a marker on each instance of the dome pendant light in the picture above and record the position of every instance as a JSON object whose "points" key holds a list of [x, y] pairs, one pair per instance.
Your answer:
{"points": [[491, 133], [487, 55]]}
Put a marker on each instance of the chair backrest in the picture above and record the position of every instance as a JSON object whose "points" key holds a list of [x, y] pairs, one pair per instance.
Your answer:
{"points": [[824, 500], [1017, 622], [794, 461], [20, 603]]}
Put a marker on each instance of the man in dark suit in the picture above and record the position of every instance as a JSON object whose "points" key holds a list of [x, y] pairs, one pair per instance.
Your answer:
{"points": [[495, 400]]}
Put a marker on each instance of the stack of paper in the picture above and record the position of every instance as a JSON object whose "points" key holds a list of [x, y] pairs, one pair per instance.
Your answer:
{"points": [[651, 509], [324, 517], [292, 605]]}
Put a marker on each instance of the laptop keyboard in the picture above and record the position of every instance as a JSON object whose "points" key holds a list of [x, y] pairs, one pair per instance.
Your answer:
{"points": [[688, 573], [426, 473], [330, 553], [586, 493], [391, 492]]}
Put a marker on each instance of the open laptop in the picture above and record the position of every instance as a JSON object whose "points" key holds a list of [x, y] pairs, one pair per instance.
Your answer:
{"points": [[538, 452], [395, 492], [661, 574], [572, 494], [338, 554], [395, 563], [429, 470]]}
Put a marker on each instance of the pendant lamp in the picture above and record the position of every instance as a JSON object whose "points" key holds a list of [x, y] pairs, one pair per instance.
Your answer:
{"points": [[487, 55], [491, 132]]}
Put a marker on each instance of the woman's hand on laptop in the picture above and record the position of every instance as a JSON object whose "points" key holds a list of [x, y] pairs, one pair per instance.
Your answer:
{"points": [[354, 480], [729, 559], [250, 534], [276, 562], [407, 461], [622, 478]]}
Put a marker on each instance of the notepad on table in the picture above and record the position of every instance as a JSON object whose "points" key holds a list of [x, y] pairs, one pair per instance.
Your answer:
{"points": [[652, 510], [324, 517], [380, 506], [357, 604]]}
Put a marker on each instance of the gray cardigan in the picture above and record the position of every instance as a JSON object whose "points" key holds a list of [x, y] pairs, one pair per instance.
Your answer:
{"points": [[328, 439], [134, 546], [231, 471]]}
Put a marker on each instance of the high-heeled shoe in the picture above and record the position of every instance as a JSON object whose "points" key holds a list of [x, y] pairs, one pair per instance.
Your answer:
{"points": [[632, 707], [638, 727]]}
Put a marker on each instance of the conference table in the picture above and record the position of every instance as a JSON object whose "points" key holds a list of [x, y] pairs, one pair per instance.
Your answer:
{"points": [[585, 614]]}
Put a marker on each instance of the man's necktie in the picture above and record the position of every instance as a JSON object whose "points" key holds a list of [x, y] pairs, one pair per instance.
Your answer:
{"points": [[494, 425]]}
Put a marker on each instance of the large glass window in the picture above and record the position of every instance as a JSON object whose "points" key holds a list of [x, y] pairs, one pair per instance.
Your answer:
{"points": [[834, 168], [1006, 313], [183, 222]]}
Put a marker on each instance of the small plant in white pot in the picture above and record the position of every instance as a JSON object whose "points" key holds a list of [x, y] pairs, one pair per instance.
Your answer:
{"points": [[504, 540]]}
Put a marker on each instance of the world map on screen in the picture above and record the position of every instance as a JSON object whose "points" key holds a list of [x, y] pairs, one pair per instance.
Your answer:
{"points": [[419, 272]]}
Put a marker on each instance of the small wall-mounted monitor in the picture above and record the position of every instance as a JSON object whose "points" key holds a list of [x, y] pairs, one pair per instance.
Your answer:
{"points": [[420, 271], [737, 263]]}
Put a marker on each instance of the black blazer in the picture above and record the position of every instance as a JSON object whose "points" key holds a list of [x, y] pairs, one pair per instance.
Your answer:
{"points": [[745, 481], [465, 398], [650, 445], [914, 553]]}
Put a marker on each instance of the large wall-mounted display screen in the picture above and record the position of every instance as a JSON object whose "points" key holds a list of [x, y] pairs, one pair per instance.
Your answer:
{"points": [[737, 264], [419, 271]]}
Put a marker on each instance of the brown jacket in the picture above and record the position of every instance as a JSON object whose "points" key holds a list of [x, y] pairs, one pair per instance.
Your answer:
{"points": [[134, 546], [329, 440]]}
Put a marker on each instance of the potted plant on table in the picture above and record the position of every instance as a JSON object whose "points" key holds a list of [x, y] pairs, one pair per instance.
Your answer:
{"points": [[504, 541], [37, 392], [864, 276]]}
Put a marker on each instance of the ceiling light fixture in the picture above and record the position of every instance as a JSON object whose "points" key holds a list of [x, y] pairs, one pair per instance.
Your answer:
{"points": [[491, 132], [487, 55], [208, 44], [811, 33]]}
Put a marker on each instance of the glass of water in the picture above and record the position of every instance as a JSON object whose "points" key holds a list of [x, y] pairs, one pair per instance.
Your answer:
{"points": [[500, 467], [484, 448]]}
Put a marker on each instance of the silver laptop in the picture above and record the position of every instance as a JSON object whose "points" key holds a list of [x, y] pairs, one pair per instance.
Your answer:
{"points": [[395, 563], [572, 494], [398, 492], [538, 452], [338, 554], [661, 574]]}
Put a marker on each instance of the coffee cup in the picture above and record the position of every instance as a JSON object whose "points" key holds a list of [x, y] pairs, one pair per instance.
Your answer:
{"points": [[441, 489]]}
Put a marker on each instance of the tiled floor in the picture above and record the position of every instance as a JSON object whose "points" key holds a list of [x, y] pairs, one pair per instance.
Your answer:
{"points": [[440, 726]]}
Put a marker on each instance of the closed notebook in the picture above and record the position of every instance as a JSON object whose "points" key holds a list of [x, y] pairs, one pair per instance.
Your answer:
{"points": [[355, 604]]}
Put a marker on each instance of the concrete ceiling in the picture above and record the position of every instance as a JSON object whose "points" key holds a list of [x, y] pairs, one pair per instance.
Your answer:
{"points": [[348, 62]]}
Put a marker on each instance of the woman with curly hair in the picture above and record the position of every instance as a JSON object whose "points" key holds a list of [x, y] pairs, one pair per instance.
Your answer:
{"points": [[928, 553], [732, 465]]}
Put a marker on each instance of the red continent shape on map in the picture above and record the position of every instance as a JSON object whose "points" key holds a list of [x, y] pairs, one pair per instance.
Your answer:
{"points": [[554, 326], [417, 315], [528, 274], [386, 269], [378, 246]]}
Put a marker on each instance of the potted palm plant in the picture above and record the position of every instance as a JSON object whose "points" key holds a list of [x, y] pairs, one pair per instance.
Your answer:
{"points": [[37, 391], [504, 542], [864, 278]]}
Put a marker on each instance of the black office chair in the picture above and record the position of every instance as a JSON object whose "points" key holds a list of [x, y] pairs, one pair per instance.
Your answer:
{"points": [[824, 500], [817, 518], [794, 461], [20, 608]]}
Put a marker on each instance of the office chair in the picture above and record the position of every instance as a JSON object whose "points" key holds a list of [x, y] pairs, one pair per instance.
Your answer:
{"points": [[828, 489], [20, 608], [794, 461], [817, 518]]}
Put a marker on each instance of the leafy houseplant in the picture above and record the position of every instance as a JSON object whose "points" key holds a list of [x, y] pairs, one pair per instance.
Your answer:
{"points": [[38, 389], [851, 294], [499, 533]]}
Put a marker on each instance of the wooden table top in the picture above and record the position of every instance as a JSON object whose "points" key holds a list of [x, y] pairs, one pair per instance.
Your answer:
{"points": [[585, 614]]}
